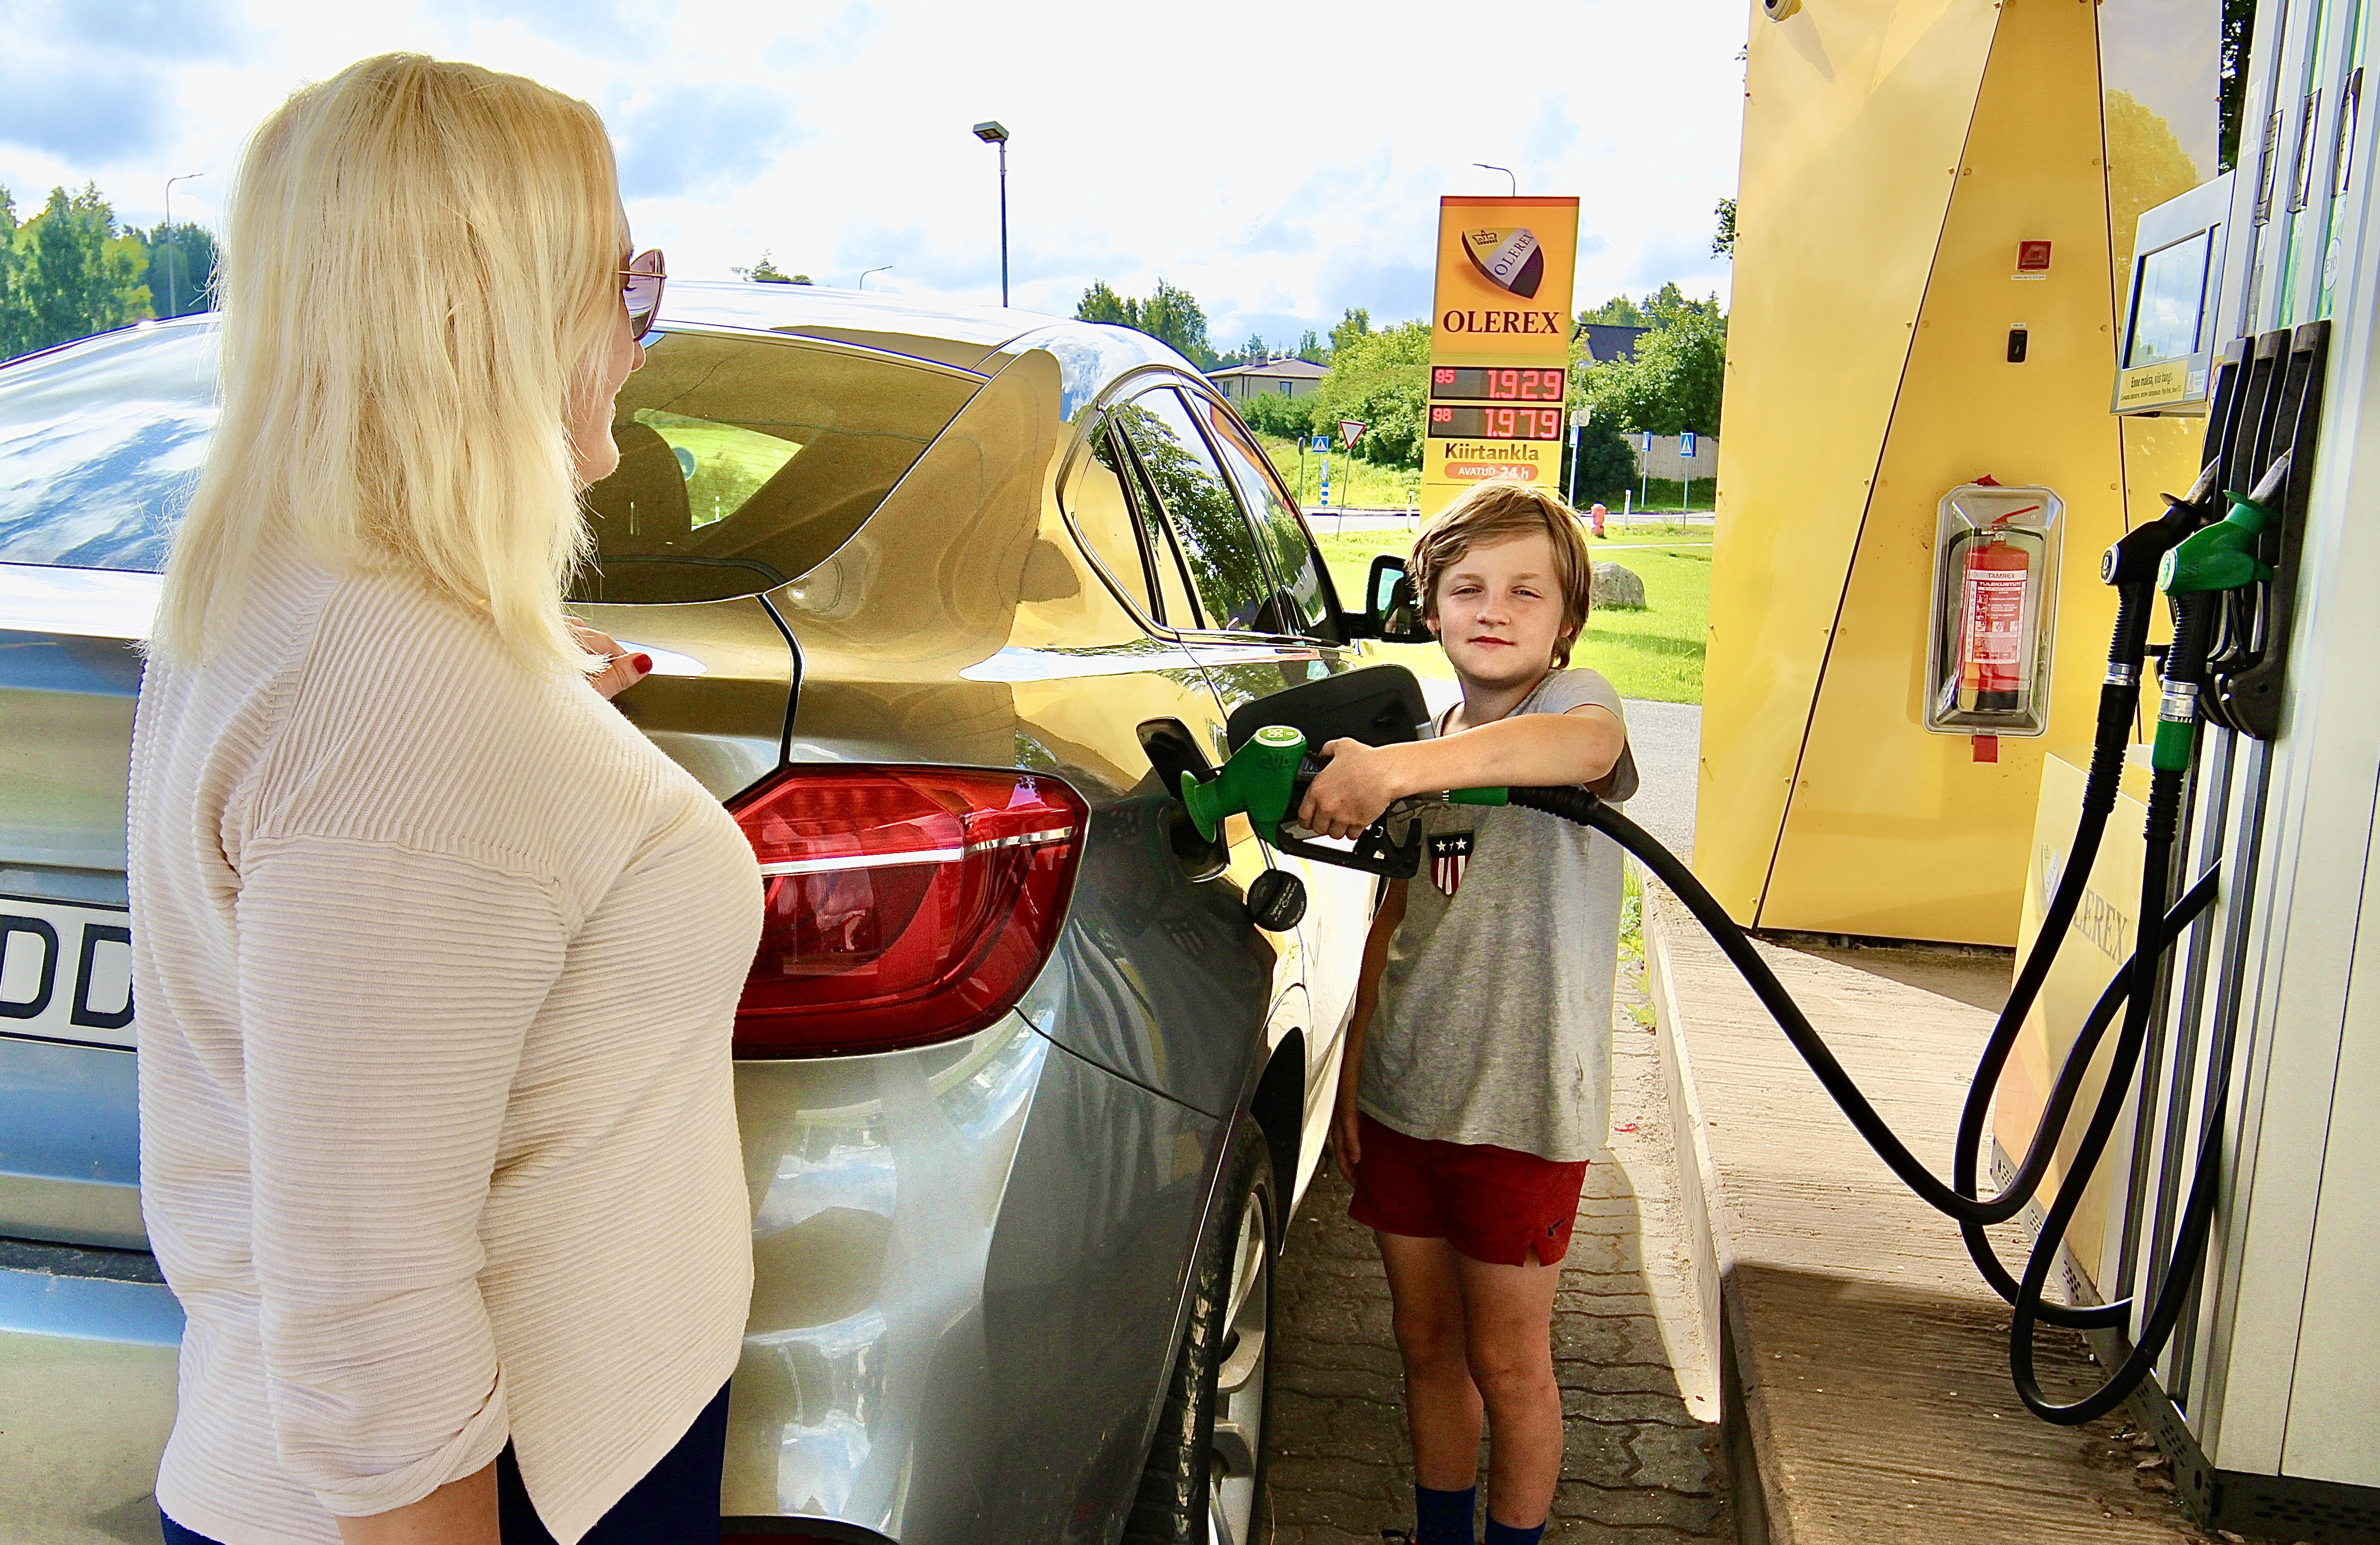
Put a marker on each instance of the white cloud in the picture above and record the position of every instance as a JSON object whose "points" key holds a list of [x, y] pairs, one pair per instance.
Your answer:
{"points": [[1282, 161]]}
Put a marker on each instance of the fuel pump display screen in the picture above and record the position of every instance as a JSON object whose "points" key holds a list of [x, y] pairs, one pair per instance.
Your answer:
{"points": [[1495, 423], [2169, 296], [1473, 383]]}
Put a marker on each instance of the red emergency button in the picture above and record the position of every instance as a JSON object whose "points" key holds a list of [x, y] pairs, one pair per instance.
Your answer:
{"points": [[2033, 257]]}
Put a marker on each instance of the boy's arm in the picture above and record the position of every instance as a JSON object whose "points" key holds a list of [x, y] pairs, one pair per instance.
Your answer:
{"points": [[1359, 1023], [1530, 752]]}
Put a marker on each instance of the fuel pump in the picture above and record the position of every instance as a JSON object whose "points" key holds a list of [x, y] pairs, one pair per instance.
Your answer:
{"points": [[2211, 576]]}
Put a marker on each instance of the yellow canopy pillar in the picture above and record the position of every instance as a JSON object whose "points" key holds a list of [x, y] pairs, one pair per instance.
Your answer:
{"points": [[1896, 153]]}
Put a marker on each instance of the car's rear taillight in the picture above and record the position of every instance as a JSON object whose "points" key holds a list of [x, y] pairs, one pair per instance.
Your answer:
{"points": [[905, 905]]}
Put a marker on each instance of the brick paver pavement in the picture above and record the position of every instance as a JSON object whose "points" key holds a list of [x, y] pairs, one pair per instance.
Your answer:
{"points": [[1641, 1464]]}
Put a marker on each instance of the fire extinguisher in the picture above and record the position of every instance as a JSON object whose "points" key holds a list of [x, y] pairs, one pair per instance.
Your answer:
{"points": [[1992, 603]]}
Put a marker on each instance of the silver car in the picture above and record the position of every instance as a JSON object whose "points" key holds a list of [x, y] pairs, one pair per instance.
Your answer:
{"points": [[941, 602]]}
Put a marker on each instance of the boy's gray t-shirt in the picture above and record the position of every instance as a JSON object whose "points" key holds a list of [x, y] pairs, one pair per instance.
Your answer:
{"points": [[1494, 1023]]}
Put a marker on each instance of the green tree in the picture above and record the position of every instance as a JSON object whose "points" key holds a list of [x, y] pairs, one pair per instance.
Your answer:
{"points": [[12, 326], [1382, 379], [1606, 462], [1723, 242], [1254, 349], [180, 272], [766, 271], [1277, 413], [1100, 304], [1172, 315], [2231, 92], [1309, 348], [1619, 312], [1675, 381], [71, 273], [1355, 325]]}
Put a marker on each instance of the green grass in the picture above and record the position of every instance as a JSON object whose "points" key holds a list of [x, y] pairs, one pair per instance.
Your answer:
{"points": [[1354, 485], [1656, 653], [1659, 494]]}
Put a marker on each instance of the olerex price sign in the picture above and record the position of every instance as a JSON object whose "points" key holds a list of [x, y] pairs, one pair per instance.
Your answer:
{"points": [[1500, 344]]}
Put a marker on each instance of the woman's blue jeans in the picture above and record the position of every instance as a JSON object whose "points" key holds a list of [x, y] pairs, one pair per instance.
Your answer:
{"points": [[676, 1503]]}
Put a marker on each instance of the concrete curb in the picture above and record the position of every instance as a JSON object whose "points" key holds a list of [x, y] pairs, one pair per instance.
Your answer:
{"points": [[1755, 1479]]}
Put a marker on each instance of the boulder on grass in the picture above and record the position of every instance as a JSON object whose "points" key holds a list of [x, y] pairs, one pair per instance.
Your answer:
{"points": [[1616, 586]]}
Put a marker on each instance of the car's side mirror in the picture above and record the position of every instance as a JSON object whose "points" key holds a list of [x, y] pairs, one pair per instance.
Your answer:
{"points": [[1391, 613]]}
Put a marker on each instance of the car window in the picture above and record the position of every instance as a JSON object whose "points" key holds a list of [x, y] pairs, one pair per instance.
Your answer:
{"points": [[1095, 499], [1199, 509], [1303, 605], [745, 462], [1177, 607], [100, 447]]}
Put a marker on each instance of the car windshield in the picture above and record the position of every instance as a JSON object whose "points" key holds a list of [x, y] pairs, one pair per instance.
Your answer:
{"points": [[745, 462], [100, 446]]}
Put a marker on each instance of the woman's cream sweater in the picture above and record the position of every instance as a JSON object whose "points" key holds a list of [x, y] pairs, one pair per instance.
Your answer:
{"points": [[436, 961]]}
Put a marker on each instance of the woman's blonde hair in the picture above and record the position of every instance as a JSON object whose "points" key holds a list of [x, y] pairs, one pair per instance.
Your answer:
{"points": [[1491, 512], [418, 271]]}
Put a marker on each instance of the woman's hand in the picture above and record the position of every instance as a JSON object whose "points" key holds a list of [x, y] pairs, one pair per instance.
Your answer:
{"points": [[1349, 794], [625, 671]]}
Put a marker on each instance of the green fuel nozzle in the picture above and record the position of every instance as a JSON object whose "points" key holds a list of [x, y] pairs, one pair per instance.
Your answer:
{"points": [[1260, 779], [2222, 556], [1265, 779]]}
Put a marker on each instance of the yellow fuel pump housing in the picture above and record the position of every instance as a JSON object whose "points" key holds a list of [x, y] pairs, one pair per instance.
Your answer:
{"points": [[1934, 221]]}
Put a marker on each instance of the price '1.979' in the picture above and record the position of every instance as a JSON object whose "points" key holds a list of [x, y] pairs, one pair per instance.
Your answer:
{"points": [[1447, 422]]}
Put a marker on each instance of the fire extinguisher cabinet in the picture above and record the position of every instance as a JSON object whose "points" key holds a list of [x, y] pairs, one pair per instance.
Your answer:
{"points": [[1988, 653]]}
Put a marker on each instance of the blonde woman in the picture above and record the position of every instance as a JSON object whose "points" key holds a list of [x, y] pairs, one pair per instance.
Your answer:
{"points": [[436, 954]]}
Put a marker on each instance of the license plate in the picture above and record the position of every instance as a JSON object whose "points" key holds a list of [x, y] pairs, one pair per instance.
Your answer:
{"points": [[66, 972]]}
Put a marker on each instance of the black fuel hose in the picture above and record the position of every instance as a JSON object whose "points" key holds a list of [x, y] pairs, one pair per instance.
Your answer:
{"points": [[1578, 806], [2194, 620]]}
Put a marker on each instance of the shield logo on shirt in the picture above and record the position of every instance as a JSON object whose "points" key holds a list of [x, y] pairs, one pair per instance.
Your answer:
{"points": [[1448, 854]]}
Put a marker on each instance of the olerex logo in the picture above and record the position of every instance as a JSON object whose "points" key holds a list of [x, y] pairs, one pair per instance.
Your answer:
{"points": [[1535, 323]]}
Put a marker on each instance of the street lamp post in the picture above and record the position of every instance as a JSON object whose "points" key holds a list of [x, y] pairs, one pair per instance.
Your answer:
{"points": [[879, 268], [172, 249], [1506, 170], [992, 133]]}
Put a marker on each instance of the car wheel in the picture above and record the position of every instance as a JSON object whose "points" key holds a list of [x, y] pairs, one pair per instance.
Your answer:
{"points": [[1204, 1481]]}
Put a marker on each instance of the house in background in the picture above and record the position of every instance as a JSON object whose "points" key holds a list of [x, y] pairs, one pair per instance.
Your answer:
{"points": [[1288, 377], [1606, 343]]}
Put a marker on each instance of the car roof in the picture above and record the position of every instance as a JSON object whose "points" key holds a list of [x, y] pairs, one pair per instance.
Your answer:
{"points": [[1091, 356]]}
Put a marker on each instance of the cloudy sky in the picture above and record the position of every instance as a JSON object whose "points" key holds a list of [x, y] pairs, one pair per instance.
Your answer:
{"points": [[1282, 160]]}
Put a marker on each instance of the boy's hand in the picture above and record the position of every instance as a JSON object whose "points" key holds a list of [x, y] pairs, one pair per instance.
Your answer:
{"points": [[1346, 1133], [1349, 794]]}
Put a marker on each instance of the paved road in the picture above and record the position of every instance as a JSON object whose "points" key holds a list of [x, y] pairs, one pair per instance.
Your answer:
{"points": [[1642, 1461], [1668, 739]]}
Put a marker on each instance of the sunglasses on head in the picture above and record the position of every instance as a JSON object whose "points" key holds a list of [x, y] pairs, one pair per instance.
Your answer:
{"points": [[640, 290]]}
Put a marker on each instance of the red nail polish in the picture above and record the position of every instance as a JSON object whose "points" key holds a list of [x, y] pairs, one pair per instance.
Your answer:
{"points": [[644, 664]]}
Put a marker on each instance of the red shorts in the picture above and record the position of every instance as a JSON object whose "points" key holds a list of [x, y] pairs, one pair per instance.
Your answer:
{"points": [[1493, 1204]]}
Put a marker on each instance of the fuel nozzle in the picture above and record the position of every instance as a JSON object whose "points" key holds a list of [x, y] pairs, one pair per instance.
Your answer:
{"points": [[1260, 779], [2134, 557], [2223, 556], [2217, 558]]}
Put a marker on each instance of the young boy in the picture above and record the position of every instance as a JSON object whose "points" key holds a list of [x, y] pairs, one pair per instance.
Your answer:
{"points": [[1477, 1080]]}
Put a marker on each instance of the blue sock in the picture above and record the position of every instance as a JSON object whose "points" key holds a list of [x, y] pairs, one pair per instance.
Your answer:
{"points": [[1505, 1534], [1443, 1517]]}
